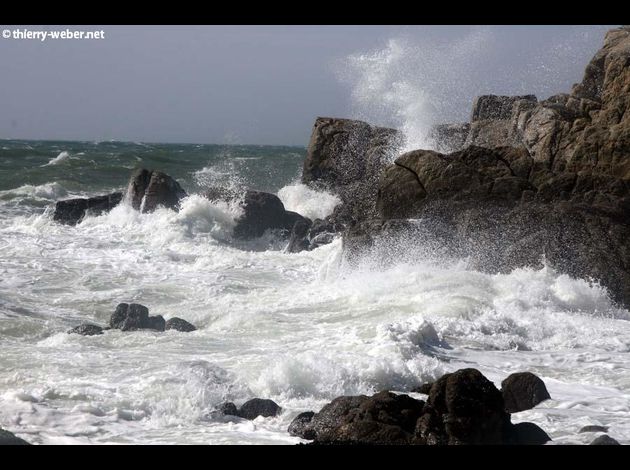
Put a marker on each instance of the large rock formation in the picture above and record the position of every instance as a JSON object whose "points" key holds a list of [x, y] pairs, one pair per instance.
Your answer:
{"points": [[463, 408], [559, 191], [148, 189], [72, 211], [346, 157]]}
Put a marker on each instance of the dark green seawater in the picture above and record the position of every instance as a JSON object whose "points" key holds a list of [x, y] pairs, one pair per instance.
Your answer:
{"points": [[92, 167]]}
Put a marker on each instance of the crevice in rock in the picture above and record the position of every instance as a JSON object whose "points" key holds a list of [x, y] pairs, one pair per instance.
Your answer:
{"points": [[415, 174]]}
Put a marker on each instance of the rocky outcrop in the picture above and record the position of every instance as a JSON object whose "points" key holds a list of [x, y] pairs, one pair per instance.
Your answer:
{"points": [[87, 329], [560, 190], [179, 324], [131, 317], [463, 408], [9, 439], [346, 157], [72, 211], [149, 189], [523, 391]]}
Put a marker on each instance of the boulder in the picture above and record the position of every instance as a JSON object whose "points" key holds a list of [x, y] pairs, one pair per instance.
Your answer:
{"points": [[148, 189], [72, 211], [131, 317], [527, 434], [259, 407], [382, 419], [178, 324], [86, 329], [605, 440], [298, 240], [9, 439], [523, 391], [464, 408], [299, 427], [228, 409]]}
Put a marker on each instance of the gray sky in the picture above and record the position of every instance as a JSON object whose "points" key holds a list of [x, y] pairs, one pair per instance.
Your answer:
{"points": [[266, 84]]}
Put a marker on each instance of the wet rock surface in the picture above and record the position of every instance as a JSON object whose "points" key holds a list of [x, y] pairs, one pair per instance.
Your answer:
{"points": [[72, 211]]}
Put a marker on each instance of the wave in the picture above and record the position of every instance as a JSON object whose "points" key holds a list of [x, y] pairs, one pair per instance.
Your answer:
{"points": [[48, 191], [63, 156]]}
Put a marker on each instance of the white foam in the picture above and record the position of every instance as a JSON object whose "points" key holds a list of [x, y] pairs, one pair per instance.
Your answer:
{"points": [[51, 191], [307, 201]]}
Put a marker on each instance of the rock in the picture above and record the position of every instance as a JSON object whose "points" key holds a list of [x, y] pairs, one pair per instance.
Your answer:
{"points": [[523, 391], [298, 240], [496, 107], [9, 439], [593, 428], [604, 440], [259, 407], [424, 388], [300, 426], [346, 157], [87, 329], [156, 323], [131, 317], [228, 409], [72, 211], [382, 419], [179, 325], [464, 408], [527, 434], [262, 212], [449, 138], [149, 189]]}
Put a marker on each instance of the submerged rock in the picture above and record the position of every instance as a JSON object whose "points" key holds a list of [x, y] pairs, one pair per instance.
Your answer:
{"points": [[259, 407], [593, 428], [9, 439], [179, 324], [605, 440], [87, 329], [72, 211], [149, 189], [424, 388], [523, 391], [527, 434]]}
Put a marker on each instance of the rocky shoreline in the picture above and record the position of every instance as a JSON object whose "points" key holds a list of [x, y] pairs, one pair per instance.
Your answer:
{"points": [[524, 183]]}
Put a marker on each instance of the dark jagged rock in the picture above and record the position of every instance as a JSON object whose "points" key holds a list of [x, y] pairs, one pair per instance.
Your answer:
{"points": [[156, 323], [605, 440], [527, 434], [464, 408], [382, 419], [261, 212], [298, 240], [300, 426], [72, 211], [449, 138], [131, 317], [149, 189], [259, 407], [593, 428], [9, 439], [179, 324], [523, 391], [87, 329], [424, 388], [228, 409], [346, 157]]}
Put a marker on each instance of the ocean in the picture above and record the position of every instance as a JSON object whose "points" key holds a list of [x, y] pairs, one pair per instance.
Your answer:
{"points": [[300, 329]]}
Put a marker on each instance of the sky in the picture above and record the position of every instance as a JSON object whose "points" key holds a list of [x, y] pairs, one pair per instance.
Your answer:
{"points": [[267, 84]]}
